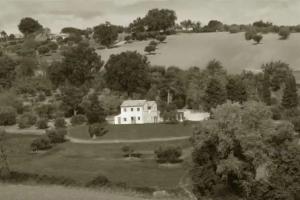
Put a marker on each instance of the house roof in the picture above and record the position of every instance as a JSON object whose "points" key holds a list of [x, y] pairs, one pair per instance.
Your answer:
{"points": [[133, 103]]}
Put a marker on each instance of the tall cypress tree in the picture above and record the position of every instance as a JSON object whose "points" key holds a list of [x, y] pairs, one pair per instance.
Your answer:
{"points": [[236, 90], [266, 92], [215, 94], [290, 95]]}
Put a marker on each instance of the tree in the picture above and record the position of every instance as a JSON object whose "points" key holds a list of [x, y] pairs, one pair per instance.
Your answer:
{"points": [[214, 25], [230, 148], [257, 38], [97, 130], [3, 35], [79, 66], [215, 94], [128, 72], [8, 116], [290, 94], [28, 25], [187, 24], [266, 92], [72, 30], [236, 90], [93, 109], [27, 67], [284, 33], [71, 98], [160, 19], [106, 34], [169, 154], [7, 71], [149, 49], [4, 165]]}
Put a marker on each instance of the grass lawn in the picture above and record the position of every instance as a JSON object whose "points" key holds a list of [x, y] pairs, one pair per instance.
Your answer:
{"points": [[136, 131], [83, 162]]}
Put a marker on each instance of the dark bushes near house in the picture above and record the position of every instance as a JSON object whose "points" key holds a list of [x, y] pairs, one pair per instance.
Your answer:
{"points": [[99, 181], [169, 154], [27, 120], [60, 123], [41, 143], [8, 116], [97, 130], [78, 120], [56, 135], [42, 123]]}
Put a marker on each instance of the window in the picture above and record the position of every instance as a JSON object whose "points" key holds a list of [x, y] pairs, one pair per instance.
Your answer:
{"points": [[138, 109], [125, 119], [131, 109], [149, 107], [124, 109], [139, 118]]}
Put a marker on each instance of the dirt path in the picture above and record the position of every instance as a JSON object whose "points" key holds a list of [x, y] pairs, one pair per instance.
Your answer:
{"points": [[83, 141]]}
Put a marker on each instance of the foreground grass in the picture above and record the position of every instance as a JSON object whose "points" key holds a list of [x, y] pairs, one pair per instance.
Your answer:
{"points": [[26, 192], [128, 132], [83, 162]]}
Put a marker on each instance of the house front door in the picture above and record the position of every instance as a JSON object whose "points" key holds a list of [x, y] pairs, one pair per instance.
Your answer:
{"points": [[133, 120]]}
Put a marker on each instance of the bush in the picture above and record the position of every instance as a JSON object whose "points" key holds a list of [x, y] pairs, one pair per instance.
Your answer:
{"points": [[169, 154], [97, 130], [149, 49], [99, 181], [78, 120], [42, 123], [257, 38], [43, 50], [161, 38], [276, 113], [45, 111], [284, 33], [41, 97], [234, 29], [153, 43], [57, 135], [129, 152], [41, 143], [26, 120], [60, 123], [296, 122], [8, 116]]}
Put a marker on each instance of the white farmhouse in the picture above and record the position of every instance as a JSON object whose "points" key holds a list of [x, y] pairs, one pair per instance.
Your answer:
{"points": [[138, 112]]}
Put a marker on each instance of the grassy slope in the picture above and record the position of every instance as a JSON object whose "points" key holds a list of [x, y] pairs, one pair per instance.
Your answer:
{"points": [[84, 162], [26, 192], [137, 131], [186, 50]]}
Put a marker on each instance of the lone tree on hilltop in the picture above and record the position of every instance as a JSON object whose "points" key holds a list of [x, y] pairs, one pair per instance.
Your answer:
{"points": [[106, 34], [28, 25]]}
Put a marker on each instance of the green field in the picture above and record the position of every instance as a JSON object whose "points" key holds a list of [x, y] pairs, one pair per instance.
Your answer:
{"points": [[83, 162], [236, 54], [136, 131]]}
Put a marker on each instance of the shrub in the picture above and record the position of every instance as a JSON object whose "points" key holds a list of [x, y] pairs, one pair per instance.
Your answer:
{"points": [[276, 112], [153, 43], [43, 49], [161, 38], [97, 130], [99, 181], [149, 49], [42, 123], [60, 123], [127, 150], [169, 154], [284, 33], [41, 143], [27, 120], [234, 29], [78, 120], [57, 135], [41, 97], [257, 38], [8, 116], [45, 111], [296, 122]]}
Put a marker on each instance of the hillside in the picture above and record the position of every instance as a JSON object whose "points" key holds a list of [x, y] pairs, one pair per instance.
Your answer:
{"points": [[236, 54]]}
